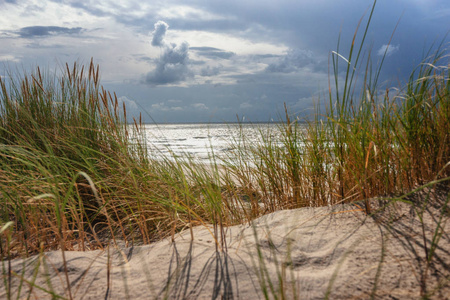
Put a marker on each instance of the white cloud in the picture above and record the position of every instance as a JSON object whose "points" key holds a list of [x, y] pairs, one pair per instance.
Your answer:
{"points": [[245, 105], [228, 42], [200, 106], [44, 13], [9, 58], [388, 49], [161, 106], [128, 102], [184, 12]]}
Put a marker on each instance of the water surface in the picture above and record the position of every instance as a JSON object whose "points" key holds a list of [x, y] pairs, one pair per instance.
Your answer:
{"points": [[200, 140]]}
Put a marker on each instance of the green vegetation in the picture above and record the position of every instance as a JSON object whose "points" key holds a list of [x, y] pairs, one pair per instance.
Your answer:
{"points": [[72, 178], [72, 172]]}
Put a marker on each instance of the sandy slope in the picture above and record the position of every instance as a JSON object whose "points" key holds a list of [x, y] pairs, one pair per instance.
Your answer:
{"points": [[332, 249]]}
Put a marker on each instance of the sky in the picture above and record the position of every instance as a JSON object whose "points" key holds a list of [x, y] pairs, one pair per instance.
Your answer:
{"points": [[216, 61]]}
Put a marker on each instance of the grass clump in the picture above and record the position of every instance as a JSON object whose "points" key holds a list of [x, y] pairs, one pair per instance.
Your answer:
{"points": [[51, 132], [74, 174], [361, 143]]}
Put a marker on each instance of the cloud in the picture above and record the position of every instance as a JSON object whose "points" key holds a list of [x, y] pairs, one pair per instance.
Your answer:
{"points": [[187, 13], [172, 65], [245, 105], [442, 13], [161, 106], [388, 49], [159, 33], [174, 101], [41, 31], [212, 52], [9, 58], [210, 71], [128, 102], [200, 106], [294, 60]]}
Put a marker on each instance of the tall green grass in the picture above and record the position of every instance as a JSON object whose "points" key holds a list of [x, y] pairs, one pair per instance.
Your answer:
{"points": [[362, 142], [73, 169], [71, 175]]}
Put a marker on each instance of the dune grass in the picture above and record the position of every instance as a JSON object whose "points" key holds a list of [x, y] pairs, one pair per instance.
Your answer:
{"points": [[75, 176]]}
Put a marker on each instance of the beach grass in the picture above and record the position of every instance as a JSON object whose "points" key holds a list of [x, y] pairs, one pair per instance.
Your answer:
{"points": [[74, 175]]}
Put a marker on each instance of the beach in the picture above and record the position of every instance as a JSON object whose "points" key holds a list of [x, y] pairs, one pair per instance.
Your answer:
{"points": [[335, 252]]}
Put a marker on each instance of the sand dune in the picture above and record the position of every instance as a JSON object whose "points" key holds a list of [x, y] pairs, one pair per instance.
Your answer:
{"points": [[335, 251]]}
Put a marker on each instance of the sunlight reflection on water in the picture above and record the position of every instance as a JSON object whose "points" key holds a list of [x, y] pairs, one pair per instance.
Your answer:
{"points": [[199, 141]]}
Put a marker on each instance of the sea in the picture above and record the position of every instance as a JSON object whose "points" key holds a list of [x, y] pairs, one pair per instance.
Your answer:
{"points": [[200, 141]]}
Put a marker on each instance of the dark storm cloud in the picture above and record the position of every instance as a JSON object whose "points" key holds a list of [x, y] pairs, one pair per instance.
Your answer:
{"points": [[172, 65], [41, 31], [211, 52]]}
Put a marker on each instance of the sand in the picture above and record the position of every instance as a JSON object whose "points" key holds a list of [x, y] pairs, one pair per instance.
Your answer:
{"points": [[309, 252]]}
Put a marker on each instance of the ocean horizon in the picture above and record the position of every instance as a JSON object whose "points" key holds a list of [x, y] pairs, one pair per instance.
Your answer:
{"points": [[201, 140]]}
